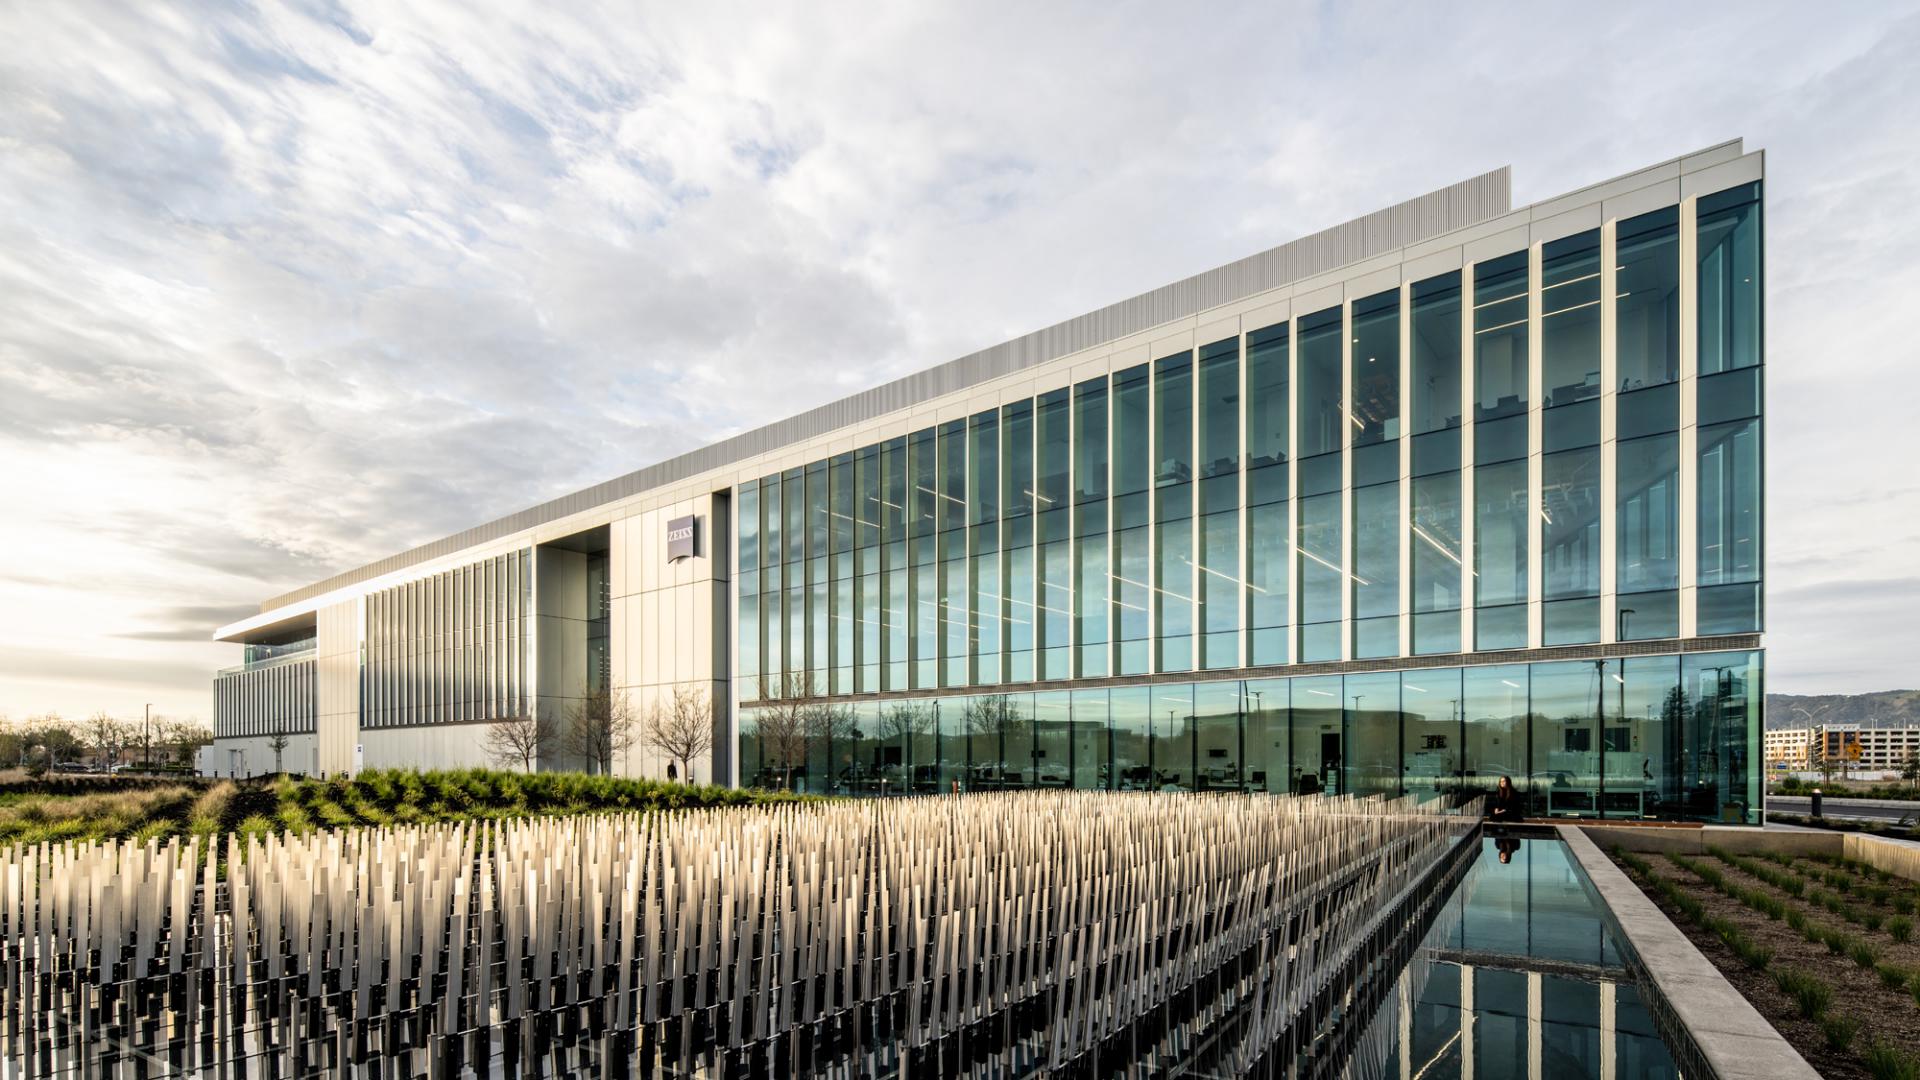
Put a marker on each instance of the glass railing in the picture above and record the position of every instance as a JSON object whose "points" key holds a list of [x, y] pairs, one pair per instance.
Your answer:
{"points": [[260, 656]]}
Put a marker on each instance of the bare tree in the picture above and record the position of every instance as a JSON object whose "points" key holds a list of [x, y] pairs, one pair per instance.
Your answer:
{"points": [[600, 729], [906, 720], [185, 737], [521, 740], [826, 724], [278, 744], [995, 720], [108, 737], [55, 737], [783, 725], [681, 728]]}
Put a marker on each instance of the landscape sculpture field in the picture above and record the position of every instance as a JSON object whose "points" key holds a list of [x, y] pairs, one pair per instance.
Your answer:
{"points": [[984, 935]]}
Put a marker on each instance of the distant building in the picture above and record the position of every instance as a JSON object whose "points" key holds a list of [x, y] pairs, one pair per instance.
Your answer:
{"points": [[1852, 747], [1879, 749], [1787, 748]]}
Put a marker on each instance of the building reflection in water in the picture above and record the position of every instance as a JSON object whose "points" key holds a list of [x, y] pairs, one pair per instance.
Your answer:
{"points": [[1524, 980]]}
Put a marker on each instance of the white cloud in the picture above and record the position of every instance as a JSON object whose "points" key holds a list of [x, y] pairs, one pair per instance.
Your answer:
{"points": [[290, 288]]}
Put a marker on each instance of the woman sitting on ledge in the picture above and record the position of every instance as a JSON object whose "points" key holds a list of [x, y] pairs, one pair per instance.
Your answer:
{"points": [[1505, 804]]}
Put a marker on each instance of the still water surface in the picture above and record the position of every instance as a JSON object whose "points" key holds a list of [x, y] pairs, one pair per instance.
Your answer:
{"points": [[1524, 980]]}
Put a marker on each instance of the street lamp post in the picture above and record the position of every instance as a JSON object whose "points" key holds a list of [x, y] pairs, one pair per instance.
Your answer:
{"points": [[147, 728]]}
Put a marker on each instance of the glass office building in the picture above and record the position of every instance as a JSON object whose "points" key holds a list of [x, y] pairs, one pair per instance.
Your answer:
{"points": [[1361, 515], [1374, 546]]}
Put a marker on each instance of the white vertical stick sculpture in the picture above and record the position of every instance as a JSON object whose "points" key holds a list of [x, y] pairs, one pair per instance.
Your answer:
{"points": [[984, 935]]}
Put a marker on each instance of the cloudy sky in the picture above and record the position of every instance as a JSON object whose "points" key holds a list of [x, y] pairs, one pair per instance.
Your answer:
{"points": [[286, 288]]}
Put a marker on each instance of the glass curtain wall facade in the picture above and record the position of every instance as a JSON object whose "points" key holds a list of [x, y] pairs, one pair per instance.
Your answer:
{"points": [[1654, 737], [1498, 457]]}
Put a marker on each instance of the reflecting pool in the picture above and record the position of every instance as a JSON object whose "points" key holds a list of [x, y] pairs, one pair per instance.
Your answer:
{"points": [[1522, 978]]}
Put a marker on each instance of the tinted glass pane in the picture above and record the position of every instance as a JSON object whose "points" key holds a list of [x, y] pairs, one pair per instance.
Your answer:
{"points": [[985, 488], [1570, 319], [1730, 609], [1132, 727], [1730, 506], [1436, 453], [1090, 440], [1322, 425], [1267, 405], [1131, 574], [1053, 451], [1431, 746], [1090, 590], [1321, 576], [951, 467], [1494, 708], [1436, 632], [1317, 735], [1570, 524], [1219, 585], [1219, 413], [1722, 765], [1376, 569], [840, 499], [1570, 622], [1648, 472], [1732, 396], [1172, 743], [1092, 768], [1376, 368], [794, 500], [1643, 720], [1173, 420], [1373, 734], [1500, 336], [1647, 615], [818, 517], [1570, 426], [1648, 411], [1647, 299], [749, 525], [1566, 737], [1500, 534], [1730, 280], [949, 721], [1267, 582], [1266, 736], [1319, 475], [1173, 579], [1132, 436], [1053, 739], [1436, 354], [1435, 543], [1500, 440]]}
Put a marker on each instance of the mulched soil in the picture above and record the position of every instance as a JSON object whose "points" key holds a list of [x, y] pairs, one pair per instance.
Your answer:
{"points": [[1887, 1014]]}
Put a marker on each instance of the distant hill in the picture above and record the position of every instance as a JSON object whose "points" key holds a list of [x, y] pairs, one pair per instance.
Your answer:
{"points": [[1885, 708]]}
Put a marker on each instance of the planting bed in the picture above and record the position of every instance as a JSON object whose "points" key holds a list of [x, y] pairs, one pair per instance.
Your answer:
{"points": [[1826, 949], [38, 812]]}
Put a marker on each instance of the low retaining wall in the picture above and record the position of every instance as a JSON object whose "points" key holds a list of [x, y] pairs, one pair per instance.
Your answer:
{"points": [[1743, 839], [1893, 856], [1720, 1032]]}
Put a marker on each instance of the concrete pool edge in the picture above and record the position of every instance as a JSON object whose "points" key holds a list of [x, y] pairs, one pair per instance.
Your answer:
{"points": [[1729, 1035]]}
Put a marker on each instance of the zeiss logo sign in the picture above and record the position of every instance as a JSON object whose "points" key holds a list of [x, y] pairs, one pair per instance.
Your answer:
{"points": [[680, 538]]}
